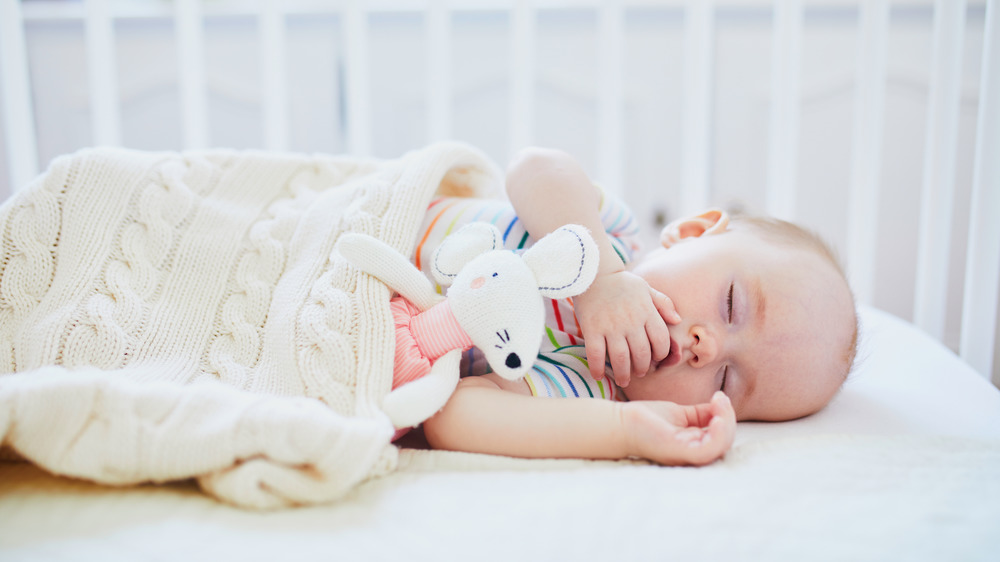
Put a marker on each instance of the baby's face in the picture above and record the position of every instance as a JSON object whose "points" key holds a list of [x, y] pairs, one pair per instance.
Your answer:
{"points": [[768, 324]]}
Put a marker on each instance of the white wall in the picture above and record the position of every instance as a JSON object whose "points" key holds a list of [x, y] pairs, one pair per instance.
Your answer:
{"points": [[566, 105]]}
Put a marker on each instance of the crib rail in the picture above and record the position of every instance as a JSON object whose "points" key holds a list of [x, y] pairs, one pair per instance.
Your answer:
{"points": [[938, 190]]}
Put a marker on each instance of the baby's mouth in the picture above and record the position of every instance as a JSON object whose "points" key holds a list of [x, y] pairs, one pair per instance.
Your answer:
{"points": [[672, 358]]}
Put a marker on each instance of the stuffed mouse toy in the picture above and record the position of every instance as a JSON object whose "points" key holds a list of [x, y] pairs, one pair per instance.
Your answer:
{"points": [[495, 302]]}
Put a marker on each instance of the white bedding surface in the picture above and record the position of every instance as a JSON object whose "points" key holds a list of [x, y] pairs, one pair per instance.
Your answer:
{"points": [[903, 465]]}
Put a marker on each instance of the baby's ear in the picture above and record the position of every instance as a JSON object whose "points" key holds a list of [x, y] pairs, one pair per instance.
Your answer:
{"points": [[460, 248], [712, 221], [564, 262]]}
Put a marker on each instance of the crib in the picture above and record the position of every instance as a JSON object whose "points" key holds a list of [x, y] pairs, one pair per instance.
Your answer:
{"points": [[876, 124]]}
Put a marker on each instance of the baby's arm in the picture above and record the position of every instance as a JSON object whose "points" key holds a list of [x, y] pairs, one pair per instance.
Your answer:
{"points": [[621, 317], [484, 416]]}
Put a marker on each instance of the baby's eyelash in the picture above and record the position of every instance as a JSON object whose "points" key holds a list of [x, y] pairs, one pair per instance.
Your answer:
{"points": [[729, 301], [725, 373]]}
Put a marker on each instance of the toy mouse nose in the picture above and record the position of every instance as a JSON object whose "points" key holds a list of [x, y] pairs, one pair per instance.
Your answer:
{"points": [[513, 361]]}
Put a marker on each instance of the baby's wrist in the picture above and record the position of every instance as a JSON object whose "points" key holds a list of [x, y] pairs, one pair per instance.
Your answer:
{"points": [[610, 262], [608, 271], [626, 423]]}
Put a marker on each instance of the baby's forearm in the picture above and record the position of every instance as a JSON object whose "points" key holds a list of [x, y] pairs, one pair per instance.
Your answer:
{"points": [[481, 418], [548, 189]]}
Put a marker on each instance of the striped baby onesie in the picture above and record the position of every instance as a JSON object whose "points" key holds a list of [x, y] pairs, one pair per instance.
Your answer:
{"points": [[561, 369]]}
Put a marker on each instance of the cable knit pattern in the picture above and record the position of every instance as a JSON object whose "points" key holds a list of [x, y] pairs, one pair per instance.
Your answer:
{"points": [[236, 344], [328, 319], [169, 316], [30, 227], [109, 321]]}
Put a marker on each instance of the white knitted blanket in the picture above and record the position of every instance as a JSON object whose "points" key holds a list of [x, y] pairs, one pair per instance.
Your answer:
{"points": [[167, 316]]}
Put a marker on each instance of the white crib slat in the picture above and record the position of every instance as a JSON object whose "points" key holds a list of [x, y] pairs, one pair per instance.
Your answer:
{"points": [[866, 157], [699, 29], [359, 141], [102, 74], [273, 76], [937, 195], [611, 41], [783, 135], [522, 71], [982, 265], [439, 96], [18, 110], [191, 73]]}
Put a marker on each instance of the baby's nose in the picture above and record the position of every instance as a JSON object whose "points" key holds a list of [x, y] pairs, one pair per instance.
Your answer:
{"points": [[702, 347]]}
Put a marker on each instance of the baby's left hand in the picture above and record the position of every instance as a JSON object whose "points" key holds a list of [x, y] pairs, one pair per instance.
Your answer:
{"points": [[672, 434]]}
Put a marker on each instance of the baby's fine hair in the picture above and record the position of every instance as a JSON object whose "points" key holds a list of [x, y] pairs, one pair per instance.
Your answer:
{"points": [[784, 232]]}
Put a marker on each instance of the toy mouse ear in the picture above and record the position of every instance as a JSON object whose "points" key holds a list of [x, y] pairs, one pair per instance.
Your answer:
{"points": [[460, 248], [564, 262]]}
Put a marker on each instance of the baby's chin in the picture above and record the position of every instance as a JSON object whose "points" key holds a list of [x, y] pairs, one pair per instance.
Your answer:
{"points": [[649, 386]]}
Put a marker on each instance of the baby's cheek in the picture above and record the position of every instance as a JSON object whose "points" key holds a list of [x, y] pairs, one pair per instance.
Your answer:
{"points": [[682, 388]]}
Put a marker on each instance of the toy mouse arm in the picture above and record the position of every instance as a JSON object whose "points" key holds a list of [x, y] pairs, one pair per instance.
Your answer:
{"points": [[414, 402], [377, 258]]}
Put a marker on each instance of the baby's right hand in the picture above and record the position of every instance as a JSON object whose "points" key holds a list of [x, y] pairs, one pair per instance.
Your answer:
{"points": [[672, 434], [625, 320]]}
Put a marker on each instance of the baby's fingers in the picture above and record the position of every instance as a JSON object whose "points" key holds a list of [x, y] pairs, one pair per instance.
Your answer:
{"points": [[722, 407], [621, 363], [709, 443], [706, 445], [595, 356], [690, 436], [639, 346], [658, 337], [665, 306]]}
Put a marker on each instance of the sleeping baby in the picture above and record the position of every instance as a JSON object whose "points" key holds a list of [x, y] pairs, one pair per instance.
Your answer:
{"points": [[731, 318]]}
